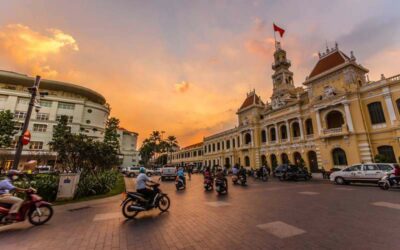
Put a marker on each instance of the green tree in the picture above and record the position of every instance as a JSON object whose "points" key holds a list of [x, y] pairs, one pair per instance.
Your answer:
{"points": [[147, 151], [7, 128], [61, 138], [171, 145], [381, 159], [111, 136]]}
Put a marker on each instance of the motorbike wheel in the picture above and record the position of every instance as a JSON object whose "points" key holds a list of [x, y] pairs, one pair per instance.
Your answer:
{"points": [[129, 214], [36, 219], [385, 186], [164, 203]]}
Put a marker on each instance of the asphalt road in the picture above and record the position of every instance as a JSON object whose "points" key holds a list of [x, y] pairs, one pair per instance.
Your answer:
{"points": [[271, 215]]}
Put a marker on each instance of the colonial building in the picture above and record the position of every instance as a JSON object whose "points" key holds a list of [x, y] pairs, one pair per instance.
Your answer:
{"points": [[87, 113], [190, 155], [338, 118], [128, 147]]}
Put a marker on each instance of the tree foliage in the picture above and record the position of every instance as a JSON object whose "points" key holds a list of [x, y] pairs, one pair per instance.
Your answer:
{"points": [[7, 128], [111, 136], [155, 145]]}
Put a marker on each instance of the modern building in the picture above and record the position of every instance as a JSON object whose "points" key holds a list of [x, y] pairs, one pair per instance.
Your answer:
{"points": [[338, 118], [128, 147], [86, 109], [190, 155]]}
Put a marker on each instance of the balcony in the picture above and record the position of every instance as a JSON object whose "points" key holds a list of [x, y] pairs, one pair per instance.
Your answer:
{"points": [[284, 140], [310, 136], [296, 139], [332, 132]]}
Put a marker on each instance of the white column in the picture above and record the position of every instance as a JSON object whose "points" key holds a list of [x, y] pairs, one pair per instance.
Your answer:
{"points": [[318, 122], [389, 105], [348, 117], [266, 134], [301, 128], [288, 130], [276, 133]]}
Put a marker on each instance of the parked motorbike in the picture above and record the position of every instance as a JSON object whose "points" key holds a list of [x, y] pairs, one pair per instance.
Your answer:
{"points": [[208, 184], [221, 186], [179, 183], [261, 174], [136, 202], [34, 208], [385, 184]]}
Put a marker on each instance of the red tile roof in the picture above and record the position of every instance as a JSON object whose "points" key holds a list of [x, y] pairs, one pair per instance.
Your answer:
{"points": [[251, 99], [328, 62]]}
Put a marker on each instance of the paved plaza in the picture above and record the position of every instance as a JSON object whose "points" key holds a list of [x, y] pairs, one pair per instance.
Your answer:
{"points": [[271, 215]]}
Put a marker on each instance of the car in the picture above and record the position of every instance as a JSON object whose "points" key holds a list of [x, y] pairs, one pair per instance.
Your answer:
{"points": [[291, 172], [168, 172], [157, 171], [44, 169], [367, 172], [135, 170]]}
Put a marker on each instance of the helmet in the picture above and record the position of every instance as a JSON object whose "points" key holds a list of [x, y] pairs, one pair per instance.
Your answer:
{"points": [[13, 174], [142, 170]]}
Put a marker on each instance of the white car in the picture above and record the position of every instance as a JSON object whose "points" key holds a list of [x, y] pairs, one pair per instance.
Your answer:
{"points": [[368, 172], [134, 171], [168, 172]]}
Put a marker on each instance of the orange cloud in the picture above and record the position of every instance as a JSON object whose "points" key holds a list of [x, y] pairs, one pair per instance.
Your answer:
{"points": [[31, 51], [182, 87]]}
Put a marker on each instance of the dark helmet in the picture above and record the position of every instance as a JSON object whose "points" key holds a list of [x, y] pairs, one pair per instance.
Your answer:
{"points": [[11, 173]]}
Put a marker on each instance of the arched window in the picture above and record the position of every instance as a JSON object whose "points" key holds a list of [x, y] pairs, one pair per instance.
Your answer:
{"points": [[296, 129], [376, 113], [209, 147], [218, 146], [339, 157], [213, 146], [388, 152], [263, 136], [274, 161], [283, 132], [264, 160], [297, 158], [238, 141], [334, 119], [247, 138], [228, 144], [247, 161], [233, 143], [284, 158], [272, 134], [309, 127], [398, 105], [312, 159]]}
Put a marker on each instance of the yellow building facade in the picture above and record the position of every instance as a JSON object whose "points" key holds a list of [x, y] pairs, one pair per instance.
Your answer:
{"points": [[338, 118]]}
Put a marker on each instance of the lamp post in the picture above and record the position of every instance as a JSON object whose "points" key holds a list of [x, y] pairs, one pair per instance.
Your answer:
{"points": [[34, 90]]}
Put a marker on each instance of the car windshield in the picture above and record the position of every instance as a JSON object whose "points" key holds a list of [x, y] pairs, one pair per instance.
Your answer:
{"points": [[353, 168]]}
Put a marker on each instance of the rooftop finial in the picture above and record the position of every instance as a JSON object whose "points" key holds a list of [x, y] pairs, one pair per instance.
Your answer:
{"points": [[336, 46]]}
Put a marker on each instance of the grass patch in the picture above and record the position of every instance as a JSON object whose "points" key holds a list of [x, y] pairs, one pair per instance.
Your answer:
{"points": [[118, 189]]}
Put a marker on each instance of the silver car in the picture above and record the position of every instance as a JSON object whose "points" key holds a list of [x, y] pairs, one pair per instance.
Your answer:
{"points": [[368, 172]]}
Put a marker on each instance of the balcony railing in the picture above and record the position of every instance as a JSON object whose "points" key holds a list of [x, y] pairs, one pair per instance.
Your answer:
{"points": [[335, 131], [310, 136], [284, 140], [297, 138]]}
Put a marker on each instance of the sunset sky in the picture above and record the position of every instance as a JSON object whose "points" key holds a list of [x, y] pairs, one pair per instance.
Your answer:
{"points": [[185, 66]]}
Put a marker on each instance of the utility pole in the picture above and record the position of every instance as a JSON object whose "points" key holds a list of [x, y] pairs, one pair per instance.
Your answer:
{"points": [[34, 92]]}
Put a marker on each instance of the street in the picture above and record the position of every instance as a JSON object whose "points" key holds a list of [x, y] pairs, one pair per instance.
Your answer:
{"points": [[263, 215]]}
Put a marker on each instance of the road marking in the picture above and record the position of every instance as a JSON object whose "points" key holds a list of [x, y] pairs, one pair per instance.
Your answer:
{"points": [[345, 189], [107, 216], [308, 193], [218, 203], [387, 204], [281, 229]]}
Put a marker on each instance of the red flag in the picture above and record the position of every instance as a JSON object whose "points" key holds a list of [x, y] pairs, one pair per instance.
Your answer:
{"points": [[278, 29]]}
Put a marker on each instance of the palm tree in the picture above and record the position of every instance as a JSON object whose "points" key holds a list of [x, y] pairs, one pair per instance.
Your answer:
{"points": [[172, 144]]}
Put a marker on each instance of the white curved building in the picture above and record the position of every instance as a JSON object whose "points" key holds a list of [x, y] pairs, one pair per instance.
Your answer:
{"points": [[86, 109]]}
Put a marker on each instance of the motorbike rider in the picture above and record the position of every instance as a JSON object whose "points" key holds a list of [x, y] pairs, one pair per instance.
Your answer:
{"points": [[207, 173], [181, 175], [235, 170], [221, 176], [6, 186], [142, 181], [396, 177], [242, 173]]}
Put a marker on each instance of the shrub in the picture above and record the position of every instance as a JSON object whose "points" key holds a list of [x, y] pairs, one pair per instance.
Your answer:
{"points": [[90, 185], [45, 184]]}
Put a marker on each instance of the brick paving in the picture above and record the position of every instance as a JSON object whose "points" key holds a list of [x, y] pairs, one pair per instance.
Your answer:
{"points": [[271, 215]]}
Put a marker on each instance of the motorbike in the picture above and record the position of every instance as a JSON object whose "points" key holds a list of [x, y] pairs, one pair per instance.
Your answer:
{"points": [[221, 186], [261, 174], [179, 183], [136, 202], [385, 184], [208, 184], [34, 208], [235, 179]]}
